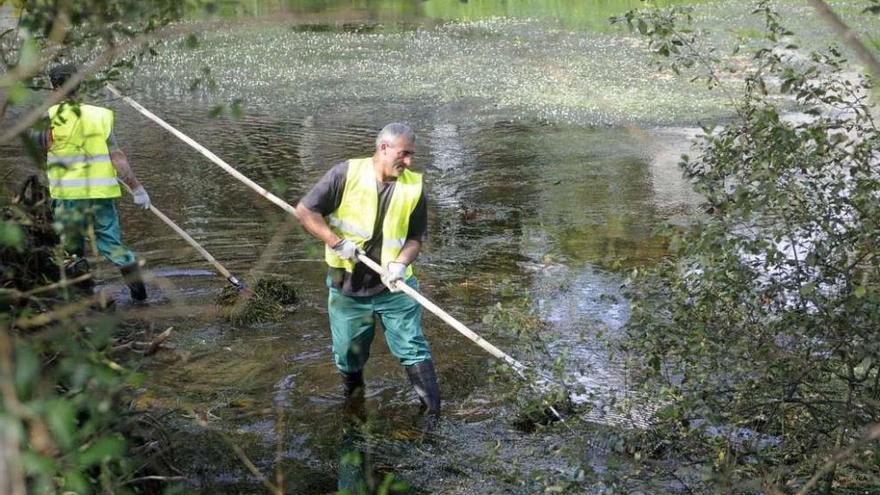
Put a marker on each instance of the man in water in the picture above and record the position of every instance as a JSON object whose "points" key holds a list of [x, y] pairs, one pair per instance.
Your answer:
{"points": [[82, 164], [376, 206]]}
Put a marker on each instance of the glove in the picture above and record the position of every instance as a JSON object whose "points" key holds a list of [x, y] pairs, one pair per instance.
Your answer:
{"points": [[346, 249], [394, 272], [141, 198]]}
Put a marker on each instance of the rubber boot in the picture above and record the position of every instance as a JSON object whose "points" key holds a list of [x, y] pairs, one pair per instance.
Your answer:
{"points": [[352, 384], [353, 390], [132, 275], [424, 381], [76, 267]]}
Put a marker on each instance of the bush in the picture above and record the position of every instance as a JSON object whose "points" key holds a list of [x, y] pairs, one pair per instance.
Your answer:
{"points": [[762, 335]]}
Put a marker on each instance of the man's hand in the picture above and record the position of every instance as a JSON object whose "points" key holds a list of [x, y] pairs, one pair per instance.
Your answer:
{"points": [[394, 272], [141, 198], [346, 249]]}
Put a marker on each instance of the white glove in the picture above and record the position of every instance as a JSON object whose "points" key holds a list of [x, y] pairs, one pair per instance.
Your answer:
{"points": [[141, 198], [394, 272], [346, 249]]}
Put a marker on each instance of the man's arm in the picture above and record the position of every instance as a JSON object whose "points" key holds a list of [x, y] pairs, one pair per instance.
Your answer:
{"points": [[123, 169], [120, 163], [315, 224], [321, 200], [409, 252]]}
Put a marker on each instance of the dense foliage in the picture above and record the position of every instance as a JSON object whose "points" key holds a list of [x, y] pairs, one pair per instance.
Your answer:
{"points": [[761, 338], [61, 391]]}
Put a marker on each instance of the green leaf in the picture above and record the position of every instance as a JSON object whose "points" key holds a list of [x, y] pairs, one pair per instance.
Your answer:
{"points": [[101, 450], [191, 41], [786, 86], [655, 363], [27, 368], [237, 109], [30, 52], [860, 291], [808, 290], [60, 416], [35, 463], [11, 235], [19, 94], [75, 482]]}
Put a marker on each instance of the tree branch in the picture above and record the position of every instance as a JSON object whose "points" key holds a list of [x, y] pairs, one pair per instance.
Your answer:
{"points": [[850, 37]]}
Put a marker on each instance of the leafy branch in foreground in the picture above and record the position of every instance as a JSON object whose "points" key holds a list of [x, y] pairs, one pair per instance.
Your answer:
{"points": [[62, 397], [762, 335]]}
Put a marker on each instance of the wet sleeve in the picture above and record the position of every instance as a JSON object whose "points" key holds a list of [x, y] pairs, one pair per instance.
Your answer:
{"points": [[418, 220], [39, 134], [112, 145], [326, 195], [39, 138]]}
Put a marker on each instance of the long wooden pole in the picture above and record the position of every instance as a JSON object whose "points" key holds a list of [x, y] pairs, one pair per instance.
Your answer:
{"points": [[204, 151], [446, 317], [462, 329], [192, 242], [433, 308]]}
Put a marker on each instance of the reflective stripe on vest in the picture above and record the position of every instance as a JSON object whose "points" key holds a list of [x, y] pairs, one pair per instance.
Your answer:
{"points": [[356, 215], [71, 160], [348, 229], [79, 165], [88, 183]]}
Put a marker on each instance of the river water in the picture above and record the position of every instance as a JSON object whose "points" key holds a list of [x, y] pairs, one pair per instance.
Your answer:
{"points": [[549, 145]]}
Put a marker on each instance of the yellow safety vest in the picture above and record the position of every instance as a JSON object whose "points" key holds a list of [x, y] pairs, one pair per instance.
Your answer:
{"points": [[78, 162], [356, 215]]}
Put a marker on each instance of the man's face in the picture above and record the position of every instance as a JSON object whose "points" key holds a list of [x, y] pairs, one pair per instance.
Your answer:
{"points": [[397, 156]]}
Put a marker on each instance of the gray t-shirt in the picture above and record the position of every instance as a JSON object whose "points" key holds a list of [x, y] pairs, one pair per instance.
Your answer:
{"points": [[326, 196]]}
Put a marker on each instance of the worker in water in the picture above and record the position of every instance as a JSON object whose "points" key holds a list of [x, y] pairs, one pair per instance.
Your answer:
{"points": [[83, 162], [376, 206]]}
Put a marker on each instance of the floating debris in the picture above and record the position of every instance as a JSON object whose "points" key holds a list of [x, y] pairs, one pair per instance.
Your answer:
{"points": [[539, 411], [266, 301]]}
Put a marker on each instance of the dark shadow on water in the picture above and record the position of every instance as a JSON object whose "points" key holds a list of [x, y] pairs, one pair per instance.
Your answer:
{"points": [[363, 462]]}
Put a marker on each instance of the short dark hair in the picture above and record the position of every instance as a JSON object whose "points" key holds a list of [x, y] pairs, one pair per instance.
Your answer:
{"points": [[59, 74]]}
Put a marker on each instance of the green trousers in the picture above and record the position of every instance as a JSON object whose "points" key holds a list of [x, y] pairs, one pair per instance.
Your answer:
{"points": [[353, 325], [73, 217]]}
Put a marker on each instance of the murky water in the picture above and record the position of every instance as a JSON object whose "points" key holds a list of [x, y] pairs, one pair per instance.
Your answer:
{"points": [[549, 147]]}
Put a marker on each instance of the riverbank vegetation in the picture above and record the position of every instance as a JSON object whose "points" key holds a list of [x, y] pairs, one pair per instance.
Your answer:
{"points": [[65, 375], [759, 336]]}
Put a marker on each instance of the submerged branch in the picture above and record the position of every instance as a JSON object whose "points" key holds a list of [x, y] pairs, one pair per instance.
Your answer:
{"points": [[850, 37], [873, 433]]}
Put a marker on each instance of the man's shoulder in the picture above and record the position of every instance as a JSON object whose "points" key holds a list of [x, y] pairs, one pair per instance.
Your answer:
{"points": [[78, 109], [97, 108], [338, 171], [334, 177], [80, 104]]}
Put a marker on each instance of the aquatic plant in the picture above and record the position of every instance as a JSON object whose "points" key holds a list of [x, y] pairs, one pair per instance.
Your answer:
{"points": [[265, 302]]}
